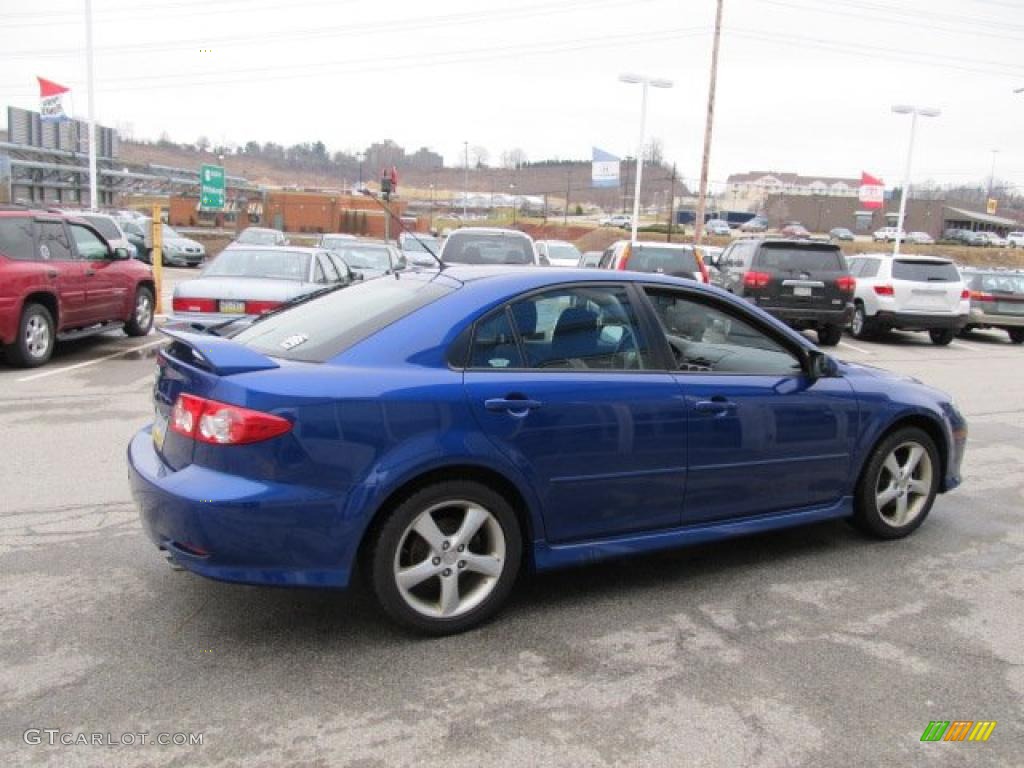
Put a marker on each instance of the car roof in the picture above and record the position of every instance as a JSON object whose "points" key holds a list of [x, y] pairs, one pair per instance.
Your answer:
{"points": [[287, 248], [262, 229], [491, 231]]}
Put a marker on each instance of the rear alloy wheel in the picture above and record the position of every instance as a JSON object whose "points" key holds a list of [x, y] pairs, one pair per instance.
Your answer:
{"points": [[859, 324], [898, 486], [1016, 335], [446, 558], [141, 321], [829, 335], [36, 338], [941, 337]]}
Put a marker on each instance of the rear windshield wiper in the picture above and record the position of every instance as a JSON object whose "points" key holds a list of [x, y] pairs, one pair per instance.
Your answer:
{"points": [[301, 299]]}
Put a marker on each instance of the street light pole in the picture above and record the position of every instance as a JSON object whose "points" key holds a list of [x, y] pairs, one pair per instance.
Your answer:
{"points": [[698, 224], [93, 201], [644, 82], [904, 109], [512, 192], [465, 180], [992, 174]]}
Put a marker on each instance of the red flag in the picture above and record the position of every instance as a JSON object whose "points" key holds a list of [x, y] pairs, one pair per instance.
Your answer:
{"points": [[872, 191], [50, 88], [51, 100]]}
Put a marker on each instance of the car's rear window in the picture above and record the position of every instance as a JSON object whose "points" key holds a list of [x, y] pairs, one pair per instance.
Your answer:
{"points": [[325, 327], [105, 226], [468, 247], [801, 259], [16, 238], [925, 271], [999, 283], [670, 261], [276, 265]]}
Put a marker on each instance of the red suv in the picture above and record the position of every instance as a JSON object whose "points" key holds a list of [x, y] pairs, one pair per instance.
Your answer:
{"points": [[59, 280]]}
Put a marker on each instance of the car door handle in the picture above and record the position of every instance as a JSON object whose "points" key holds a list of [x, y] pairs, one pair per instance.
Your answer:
{"points": [[513, 405], [51, 273], [90, 272], [715, 406]]}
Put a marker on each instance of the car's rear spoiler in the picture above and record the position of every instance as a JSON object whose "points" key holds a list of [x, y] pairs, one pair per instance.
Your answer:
{"points": [[218, 354]]}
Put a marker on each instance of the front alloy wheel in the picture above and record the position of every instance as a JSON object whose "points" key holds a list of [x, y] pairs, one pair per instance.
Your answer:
{"points": [[446, 558], [899, 484]]}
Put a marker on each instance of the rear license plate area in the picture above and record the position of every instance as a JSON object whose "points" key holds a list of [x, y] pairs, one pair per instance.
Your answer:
{"points": [[232, 307], [803, 290]]}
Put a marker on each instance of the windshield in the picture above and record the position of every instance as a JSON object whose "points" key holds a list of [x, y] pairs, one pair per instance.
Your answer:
{"points": [[670, 261], [274, 264], [259, 237], [367, 257], [563, 251], [168, 232], [412, 244], [333, 242], [468, 247], [801, 259], [1000, 283], [327, 326], [925, 271]]}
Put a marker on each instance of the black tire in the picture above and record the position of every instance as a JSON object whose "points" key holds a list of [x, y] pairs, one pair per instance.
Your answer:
{"points": [[141, 321], [37, 322], [941, 337], [880, 523], [829, 335], [1016, 335], [392, 541], [965, 332], [860, 325]]}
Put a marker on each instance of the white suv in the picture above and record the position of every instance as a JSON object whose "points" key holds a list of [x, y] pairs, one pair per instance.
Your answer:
{"points": [[1015, 239], [888, 235], [909, 293]]}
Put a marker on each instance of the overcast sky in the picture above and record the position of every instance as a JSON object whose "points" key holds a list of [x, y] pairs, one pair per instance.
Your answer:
{"points": [[804, 85]]}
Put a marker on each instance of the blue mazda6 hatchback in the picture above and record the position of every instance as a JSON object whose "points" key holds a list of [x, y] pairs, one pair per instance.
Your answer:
{"points": [[444, 430]]}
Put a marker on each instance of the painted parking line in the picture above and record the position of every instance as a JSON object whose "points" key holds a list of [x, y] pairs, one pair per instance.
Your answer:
{"points": [[968, 346], [855, 348], [76, 366]]}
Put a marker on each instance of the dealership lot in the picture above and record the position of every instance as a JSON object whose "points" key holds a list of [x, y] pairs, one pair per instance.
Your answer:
{"points": [[813, 646]]}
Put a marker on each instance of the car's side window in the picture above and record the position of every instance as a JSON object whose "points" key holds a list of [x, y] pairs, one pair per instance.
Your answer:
{"points": [[16, 241], [707, 337], [606, 258], [53, 242], [339, 265], [326, 267], [89, 245], [869, 268], [854, 266], [494, 343], [582, 327]]}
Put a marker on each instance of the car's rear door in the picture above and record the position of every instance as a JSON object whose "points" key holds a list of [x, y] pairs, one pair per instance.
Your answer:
{"points": [[801, 276], [927, 286], [565, 386], [763, 437]]}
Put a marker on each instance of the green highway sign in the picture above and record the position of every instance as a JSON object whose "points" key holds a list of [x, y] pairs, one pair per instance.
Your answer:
{"points": [[211, 188]]}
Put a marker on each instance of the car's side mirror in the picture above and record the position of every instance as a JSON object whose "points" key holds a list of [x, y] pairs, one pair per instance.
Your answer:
{"points": [[820, 365], [121, 254]]}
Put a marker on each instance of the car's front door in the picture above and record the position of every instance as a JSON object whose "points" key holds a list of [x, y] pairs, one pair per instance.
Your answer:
{"points": [[763, 436], [565, 386], [105, 286]]}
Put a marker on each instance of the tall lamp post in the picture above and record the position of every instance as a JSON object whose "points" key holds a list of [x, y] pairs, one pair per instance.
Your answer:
{"points": [[465, 179], [360, 157], [907, 109], [644, 82]]}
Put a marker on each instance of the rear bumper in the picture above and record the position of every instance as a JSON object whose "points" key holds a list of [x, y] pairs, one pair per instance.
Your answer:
{"points": [[811, 317], [206, 319], [909, 321], [183, 259], [236, 529], [981, 317]]}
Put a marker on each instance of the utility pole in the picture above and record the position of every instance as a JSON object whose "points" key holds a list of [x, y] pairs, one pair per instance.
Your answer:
{"points": [[90, 87], [992, 175], [672, 203], [698, 231], [465, 180], [568, 187]]}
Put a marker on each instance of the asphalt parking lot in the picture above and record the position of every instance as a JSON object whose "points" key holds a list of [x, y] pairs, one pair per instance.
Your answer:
{"points": [[807, 647]]}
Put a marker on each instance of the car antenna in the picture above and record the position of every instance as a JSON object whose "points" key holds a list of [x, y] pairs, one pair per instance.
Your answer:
{"points": [[369, 194]]}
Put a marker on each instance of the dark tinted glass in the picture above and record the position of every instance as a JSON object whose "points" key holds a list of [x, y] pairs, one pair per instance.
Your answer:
{"points": [[465, 246], [325, 327], [494, 344], [53, 241], [104, 226], [16, 238], [925, 271], [671, 261], [800, 259], [1000, 283]]}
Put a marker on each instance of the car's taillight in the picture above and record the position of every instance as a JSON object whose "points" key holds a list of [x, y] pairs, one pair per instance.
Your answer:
{"points": [[884, 290], [979, 296], [194, 305], [210, 421], [626, 253], [846, 284], [965, 294], [259, 307], [756, 279]]}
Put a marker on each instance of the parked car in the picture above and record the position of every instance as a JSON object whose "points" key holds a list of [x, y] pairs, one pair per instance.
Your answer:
{"points": [[996, 300], [176, 249], [245, 282], [995, 240], [1015, 239], [619, 220], [795, 231], [557, 253], [61, 280], [485, 245], [421, 250], [908, 293], [954, 234], [674, 259], [442, 432], [333, 240], [717, 227], [920, 238], [109, 227], [840, 233], [803, 283], [368, 260], [888, 235], [590, 259], [977, 239], [756, 224], [260, 236], [137, 236]]}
